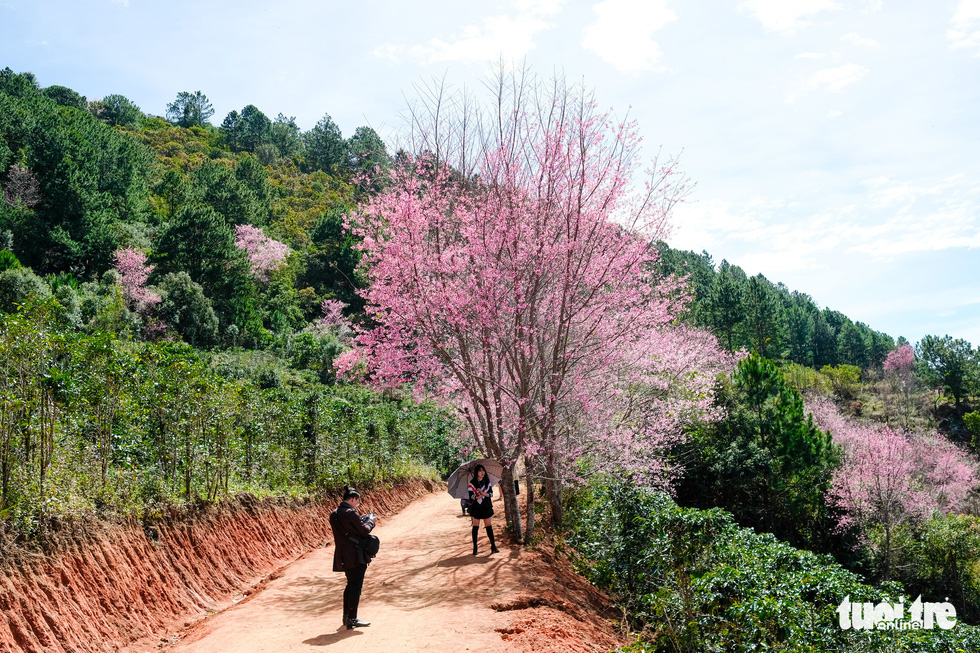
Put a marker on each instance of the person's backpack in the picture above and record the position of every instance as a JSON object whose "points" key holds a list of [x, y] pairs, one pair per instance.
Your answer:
{"points": [[371, 545], [367, 546]]}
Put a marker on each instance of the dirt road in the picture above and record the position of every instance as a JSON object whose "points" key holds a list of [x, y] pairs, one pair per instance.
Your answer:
{"points": [[425, 591]]}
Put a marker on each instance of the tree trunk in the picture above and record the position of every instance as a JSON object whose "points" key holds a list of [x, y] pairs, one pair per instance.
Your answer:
{"points": [[529, 488], [511, 509], [553, 487]]}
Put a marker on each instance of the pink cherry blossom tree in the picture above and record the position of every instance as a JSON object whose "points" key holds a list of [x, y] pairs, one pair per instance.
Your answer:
{"points": [[264, 253], [133, 275], [899, 375], [888, 479], [511, 271]]}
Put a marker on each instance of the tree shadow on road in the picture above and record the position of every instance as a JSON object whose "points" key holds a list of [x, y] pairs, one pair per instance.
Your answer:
{"points": [[459, 561]]}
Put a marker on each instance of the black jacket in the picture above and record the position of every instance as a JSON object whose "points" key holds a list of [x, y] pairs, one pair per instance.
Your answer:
{"points": [[346, 523]]}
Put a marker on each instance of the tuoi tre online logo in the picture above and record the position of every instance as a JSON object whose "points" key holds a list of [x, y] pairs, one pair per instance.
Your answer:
{"points": [[892, 616]]}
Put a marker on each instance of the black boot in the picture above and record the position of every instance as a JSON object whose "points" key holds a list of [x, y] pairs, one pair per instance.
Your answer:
{"points": [[476, 529], [493, 545]]}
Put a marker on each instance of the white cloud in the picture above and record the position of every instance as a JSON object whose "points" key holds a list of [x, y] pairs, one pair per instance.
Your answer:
{"points": [[893, 218], [786, 15], [505, 37], [622, 33], [964, 30], [831, 80], [854, 39], [835, 79]]}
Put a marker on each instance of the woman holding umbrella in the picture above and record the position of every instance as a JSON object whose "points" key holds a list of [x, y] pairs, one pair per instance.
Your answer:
{"points": [[481, 505]]}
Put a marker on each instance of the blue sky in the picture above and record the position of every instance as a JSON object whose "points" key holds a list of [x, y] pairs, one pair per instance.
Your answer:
{"points": [[833, 142]]}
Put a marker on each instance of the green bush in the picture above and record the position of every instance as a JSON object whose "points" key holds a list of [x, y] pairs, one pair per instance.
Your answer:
{"points": [[692, 580]]}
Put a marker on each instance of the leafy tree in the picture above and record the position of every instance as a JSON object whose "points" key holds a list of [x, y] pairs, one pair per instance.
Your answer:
{"points": [[843, 379], [66, 97], [326, 148], [199, 242], [763, 316], [248, 130], [854, 344], [766, 461], [331, 264], [190, 109], [726, 302], [824, 340], [369, 160], [186, 310], [947, 363], [225, 191], [90, 178], [119, 110], [8, 261], [17, 285], [285, 135]]}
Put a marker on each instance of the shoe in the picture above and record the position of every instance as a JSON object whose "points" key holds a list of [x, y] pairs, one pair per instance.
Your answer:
{"points": [[357, 623], [494, 549]]}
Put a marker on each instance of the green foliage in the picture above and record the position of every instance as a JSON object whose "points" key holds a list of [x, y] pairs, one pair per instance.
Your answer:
{"points": [[726, 307], [8, 261], [18, 285], [118, 110], [65, 97], [763, 316], [89, 176], [240, 196], [691, 580], [948, 363], [187, 311], [91, 422], [765, 461], [940, 561], [844, 379], [802, 378], [757, 315], [247, 130], [190, 109], [326, 148], [972, 423], [284, 136], [199, 242]]}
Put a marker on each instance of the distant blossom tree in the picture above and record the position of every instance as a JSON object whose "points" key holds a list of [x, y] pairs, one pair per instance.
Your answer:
{"points": [[264, 253], [888, 479], [510, 271], [900, 375], [133, 274]]}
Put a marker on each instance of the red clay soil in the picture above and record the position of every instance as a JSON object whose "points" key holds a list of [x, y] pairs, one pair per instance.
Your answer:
{"points": [[425, 591], [100, 586]]}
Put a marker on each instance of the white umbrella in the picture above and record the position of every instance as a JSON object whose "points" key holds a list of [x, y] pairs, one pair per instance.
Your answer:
{"points": [[459, 480]]}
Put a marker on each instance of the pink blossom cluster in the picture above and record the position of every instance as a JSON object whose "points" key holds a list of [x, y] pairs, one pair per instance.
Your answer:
{"points": [[900, 360], [264, 253], [888, 478], [133, 275], [523, 293]]}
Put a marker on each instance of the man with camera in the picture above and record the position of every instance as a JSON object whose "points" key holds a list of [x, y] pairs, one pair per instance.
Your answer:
{"points": [[351, 555]]}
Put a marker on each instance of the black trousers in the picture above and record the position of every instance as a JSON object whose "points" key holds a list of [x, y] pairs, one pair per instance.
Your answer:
{"points": [[352, 593]]}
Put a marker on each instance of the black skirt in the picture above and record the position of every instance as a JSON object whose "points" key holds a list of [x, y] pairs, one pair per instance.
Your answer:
{"points": [[482, 510]]}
